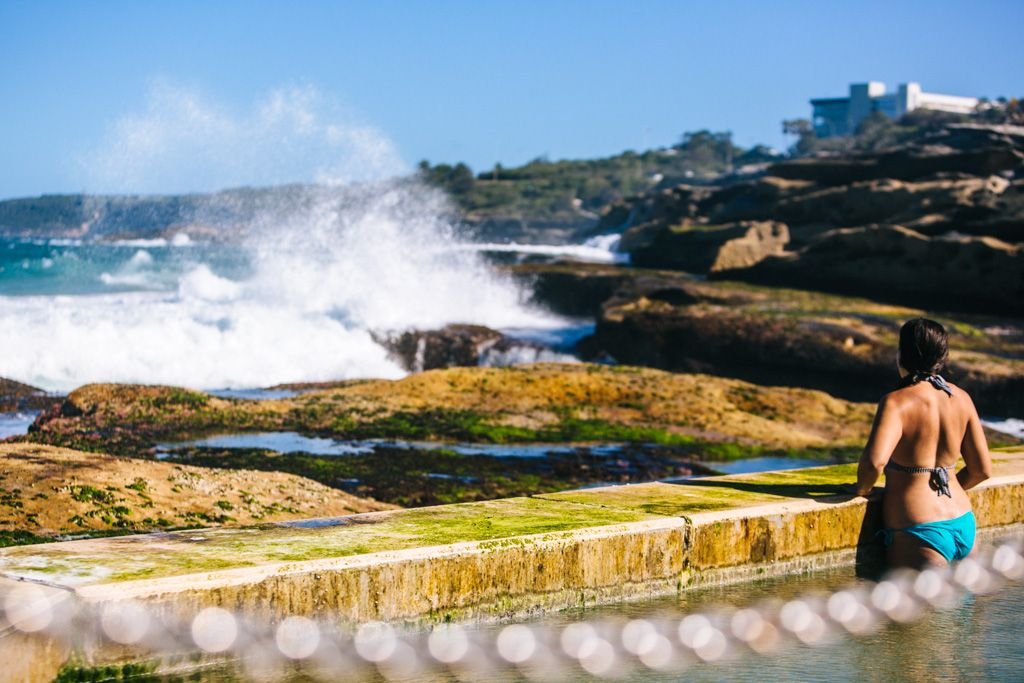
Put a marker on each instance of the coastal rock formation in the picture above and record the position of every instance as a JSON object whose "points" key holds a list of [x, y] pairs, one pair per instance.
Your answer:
{"points": [[909, 163], [896, 264], [669, 205], [573, 289], [48, 490], [544, 402], [16, 396], [786, 337], [772, 335], [705, 248], [450, 346], [936, 223], [932, 202]]}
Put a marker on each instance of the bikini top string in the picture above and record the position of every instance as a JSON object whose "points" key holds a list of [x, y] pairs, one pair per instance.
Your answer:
{"points": [[936, 380], [938, 479]]}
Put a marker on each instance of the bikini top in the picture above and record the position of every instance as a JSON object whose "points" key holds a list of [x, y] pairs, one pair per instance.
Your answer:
{"points": [[935, 380], [939, 479]]}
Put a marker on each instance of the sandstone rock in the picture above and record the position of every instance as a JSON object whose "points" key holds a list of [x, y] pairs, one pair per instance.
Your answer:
{"points": [[909, 163], [762, 348], [888, 201], [896, 264], [709, 248], [671, 204], [791, 338], [93, 491], [751, 200]]}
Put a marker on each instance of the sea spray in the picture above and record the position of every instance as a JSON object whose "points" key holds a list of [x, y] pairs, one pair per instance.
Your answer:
{"points": [[325, 275], [326, 267]]}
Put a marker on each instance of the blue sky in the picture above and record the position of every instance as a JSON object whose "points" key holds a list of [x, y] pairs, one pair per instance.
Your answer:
{"points": [[444, 80]]}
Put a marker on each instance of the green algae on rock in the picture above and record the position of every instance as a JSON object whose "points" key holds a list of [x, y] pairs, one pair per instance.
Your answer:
{"points": [[544, 402], [414, 477], [176, 553], [777, 336]]}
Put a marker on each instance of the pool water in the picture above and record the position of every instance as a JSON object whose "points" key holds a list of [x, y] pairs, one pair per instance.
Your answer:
{"points": [[977, 639]]}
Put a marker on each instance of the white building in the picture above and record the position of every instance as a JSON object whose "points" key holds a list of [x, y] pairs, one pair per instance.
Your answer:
{"points": [[842, 115]]}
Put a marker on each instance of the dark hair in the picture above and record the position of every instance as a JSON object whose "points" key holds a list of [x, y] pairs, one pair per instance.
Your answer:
{"points": [[924, 346]]}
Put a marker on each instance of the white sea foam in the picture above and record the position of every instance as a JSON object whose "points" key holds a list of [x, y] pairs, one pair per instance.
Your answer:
{"points": [[330, 267], [146, 243], [600, 249], [135, 272], [324, 279], [1011, 425]]}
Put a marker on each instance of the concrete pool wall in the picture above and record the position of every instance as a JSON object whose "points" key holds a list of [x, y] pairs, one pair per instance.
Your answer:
{"points": [[498, 558]]}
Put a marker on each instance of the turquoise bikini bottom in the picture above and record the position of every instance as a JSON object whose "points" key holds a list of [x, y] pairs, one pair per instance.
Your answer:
{"points": [[951, 538]]}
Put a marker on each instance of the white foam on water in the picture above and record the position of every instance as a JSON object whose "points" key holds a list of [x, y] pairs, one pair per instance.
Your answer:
{"points": [[600, 249], [1012, 425], [136, 272], [148, 243], [331, 267]]}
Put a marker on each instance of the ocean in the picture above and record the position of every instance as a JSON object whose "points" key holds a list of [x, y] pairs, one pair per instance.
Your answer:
{"points": [[296, 297]]}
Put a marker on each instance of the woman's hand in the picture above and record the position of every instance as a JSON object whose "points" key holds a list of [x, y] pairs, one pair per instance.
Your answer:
{"points": [[854, 490]]}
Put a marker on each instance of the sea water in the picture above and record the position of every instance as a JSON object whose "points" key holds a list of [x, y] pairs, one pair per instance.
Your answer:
{"points": [[297, 296]]}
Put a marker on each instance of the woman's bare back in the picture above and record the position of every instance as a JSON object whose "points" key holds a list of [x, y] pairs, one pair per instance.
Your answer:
{"points": [[919, 427], [933, 426]]}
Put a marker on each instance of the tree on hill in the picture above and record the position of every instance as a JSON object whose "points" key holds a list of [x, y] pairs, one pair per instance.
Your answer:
{"points": [[457, 179]]}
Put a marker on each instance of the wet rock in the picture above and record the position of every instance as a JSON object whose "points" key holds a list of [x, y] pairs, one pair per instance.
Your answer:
{"points": [[707, 248], [451, 346], [572, 289]]}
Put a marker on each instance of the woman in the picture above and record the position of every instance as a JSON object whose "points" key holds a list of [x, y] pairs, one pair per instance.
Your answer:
{"points": [[920, 431]]}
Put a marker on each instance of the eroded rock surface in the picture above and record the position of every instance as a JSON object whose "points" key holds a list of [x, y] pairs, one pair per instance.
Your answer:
{"points": [[544, 402], [906, 211], [840, 344], [706, 248], [897, 264], [47, 490]]}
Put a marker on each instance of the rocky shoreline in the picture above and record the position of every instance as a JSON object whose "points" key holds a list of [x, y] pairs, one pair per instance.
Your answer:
{"points": [[758, 316], [937, 223]]}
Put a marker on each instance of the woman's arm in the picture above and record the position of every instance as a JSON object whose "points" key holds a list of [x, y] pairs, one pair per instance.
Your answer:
{"points": [[977, 463], [885, 434]]}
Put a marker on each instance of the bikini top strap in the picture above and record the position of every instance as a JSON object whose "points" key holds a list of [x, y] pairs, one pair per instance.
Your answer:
{"points": [[939, 479], [937, 381], [915, 470]]}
